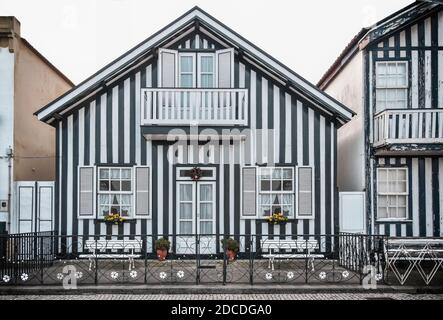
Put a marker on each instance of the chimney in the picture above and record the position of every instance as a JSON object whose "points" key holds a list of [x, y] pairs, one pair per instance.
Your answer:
{"points": [[9, 32]]}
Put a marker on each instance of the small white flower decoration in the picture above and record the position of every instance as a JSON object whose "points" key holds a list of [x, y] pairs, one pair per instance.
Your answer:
{"points": [[345, 274], [24, 277], [114, 275], [6, 278], [269, 276], [79, 275], [378, 276], [180, 274], [163, 275], [60, 276], [133, 274], [290, 275], [322, 275]]}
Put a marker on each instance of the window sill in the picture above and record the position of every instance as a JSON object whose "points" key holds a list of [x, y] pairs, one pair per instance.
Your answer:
{"points": [[393, 221]]}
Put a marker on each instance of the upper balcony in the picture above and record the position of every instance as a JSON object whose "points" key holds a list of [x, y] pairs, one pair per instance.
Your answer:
{"points": [[203, 107], [408, 126]]}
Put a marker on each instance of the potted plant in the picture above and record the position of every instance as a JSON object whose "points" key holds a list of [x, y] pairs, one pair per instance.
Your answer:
{"points": [[231, 247], [114, 218], [162, 247], [277, 218]]}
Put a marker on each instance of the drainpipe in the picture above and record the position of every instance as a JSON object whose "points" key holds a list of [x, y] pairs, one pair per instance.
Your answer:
{"points": [[9, 155]]}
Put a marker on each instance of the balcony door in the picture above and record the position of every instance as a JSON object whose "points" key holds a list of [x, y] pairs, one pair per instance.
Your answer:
{"points": [[195, 211]]}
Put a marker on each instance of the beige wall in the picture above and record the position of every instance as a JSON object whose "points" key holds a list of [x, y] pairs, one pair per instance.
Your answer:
{"points": [[347, 87], [36, 84]]}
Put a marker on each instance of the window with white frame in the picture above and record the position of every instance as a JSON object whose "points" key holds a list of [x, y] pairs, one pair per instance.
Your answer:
{"points": [[115, 191], [206, 70], [276, 191], [187, 70], [392, 193], [391, 85]]}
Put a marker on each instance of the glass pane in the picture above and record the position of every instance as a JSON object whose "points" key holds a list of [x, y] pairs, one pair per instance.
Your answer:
{"points": [[265, 199], [186, 81], [115, 199], [104, 210], [185, 210], [402, 201], [185, 192], [382, 175], [382, 201], [277, 209], [205, 192], [126, 185], [126, 211], [207, 64], [266, 173], [401, 187], [401, 213], [207, 80], [206, 211], [185, 227], [266, 185], [381, 81], [104, 173], [392, 201], [186, 64], [287, 211], [104, 185], [265, 210], [276, 174], [381, 68], [288, 199], [115, 185], [126, 174], [276, 199], [104, 199], [206, 227], [287, 174], [287, 185], [115, 173], [382, 213], [126, 199], [276, 186], [115, 210], [392, 212], [402, 175]]}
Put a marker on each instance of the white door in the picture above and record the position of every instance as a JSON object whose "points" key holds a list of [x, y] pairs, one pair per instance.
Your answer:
{"points": [[196, 216], [352, 212]]}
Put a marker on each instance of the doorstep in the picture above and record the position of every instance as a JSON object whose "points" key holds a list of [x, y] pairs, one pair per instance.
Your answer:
{"points": [[212, 289]]}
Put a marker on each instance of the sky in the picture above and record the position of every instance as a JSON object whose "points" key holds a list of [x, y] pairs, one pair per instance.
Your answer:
{"points": [[81, 36]]}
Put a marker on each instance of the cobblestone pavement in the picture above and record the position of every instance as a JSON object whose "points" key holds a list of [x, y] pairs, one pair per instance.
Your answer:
{"points": [[259, 297]]}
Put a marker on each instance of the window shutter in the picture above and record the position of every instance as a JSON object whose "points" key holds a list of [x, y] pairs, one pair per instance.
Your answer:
{"points": [[249, 192], [225, 68], [167, 73], [305, 193], [86, 192], [142, 184]]}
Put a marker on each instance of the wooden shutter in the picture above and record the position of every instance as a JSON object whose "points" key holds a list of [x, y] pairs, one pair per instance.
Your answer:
{"points": [[249, 192], [305, 185], [225, 68], [167, 73], [142, 186], [86, 192]]}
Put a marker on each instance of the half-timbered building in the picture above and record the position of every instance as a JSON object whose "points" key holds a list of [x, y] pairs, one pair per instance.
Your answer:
{"points": [[196, 131]]}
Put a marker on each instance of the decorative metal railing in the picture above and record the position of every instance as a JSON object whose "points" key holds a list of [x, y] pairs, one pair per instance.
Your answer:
{"points": [[227, 107], [49, 259], [408, 126]]}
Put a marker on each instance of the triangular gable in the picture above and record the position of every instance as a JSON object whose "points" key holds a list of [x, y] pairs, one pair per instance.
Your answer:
{"points": [[177, 31]]}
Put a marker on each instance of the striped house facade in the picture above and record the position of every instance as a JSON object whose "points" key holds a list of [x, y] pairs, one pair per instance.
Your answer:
{"points": [[105, 128]]}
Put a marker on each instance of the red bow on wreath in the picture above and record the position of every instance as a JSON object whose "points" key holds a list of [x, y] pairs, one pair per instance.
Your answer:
{"points": [[196, 174]]}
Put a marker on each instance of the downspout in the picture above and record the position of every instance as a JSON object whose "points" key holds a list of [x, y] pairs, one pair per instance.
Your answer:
{"points": [[9, 155]]}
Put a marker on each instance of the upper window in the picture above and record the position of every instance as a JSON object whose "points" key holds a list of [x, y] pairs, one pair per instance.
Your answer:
{"points": [[206, 68], [276, 191], [115, 191], [187, 71], [391, 85], [392, 195]]}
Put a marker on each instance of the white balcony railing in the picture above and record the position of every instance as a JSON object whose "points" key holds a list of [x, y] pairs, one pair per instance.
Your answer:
{"points": [[408, 126], [194, 106]]}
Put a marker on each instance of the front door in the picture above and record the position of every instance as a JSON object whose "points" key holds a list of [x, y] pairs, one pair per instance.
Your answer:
{"points": [[196, 208]]}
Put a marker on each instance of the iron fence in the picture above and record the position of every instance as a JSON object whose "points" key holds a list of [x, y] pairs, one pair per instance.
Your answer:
{"points": [[50, 259]]}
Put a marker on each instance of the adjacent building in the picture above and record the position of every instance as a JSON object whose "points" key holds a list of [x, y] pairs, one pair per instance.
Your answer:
{"points": [[391, 75], [27, 147]]}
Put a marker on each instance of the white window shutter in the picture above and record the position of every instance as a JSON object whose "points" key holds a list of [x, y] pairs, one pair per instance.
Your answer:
{"points": [[167, 71], [249, 192], [305, 193], [142, 192], [225, 68], [86, 192]]}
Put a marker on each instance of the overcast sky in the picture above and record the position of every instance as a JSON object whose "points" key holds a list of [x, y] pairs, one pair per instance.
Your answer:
{"points": [[81, 36]]}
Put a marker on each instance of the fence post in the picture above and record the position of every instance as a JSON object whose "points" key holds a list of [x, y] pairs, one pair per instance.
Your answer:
{"points": [[306, 260], [15, 258], [225, 264], [197, 257], [95, 264], [145, 252], [41, 260], [251, 260]]}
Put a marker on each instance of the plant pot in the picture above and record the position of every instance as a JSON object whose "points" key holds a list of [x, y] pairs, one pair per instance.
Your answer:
{"points": [[231, 255], [161, 254]]}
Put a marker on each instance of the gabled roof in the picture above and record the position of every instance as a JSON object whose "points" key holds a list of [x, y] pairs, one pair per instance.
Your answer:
{"points": [[194, 15], [380, 30]]}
